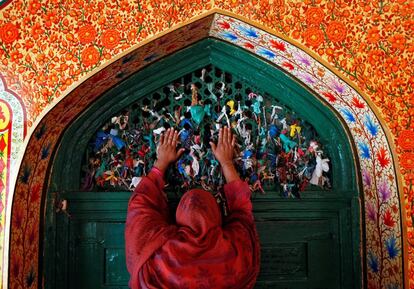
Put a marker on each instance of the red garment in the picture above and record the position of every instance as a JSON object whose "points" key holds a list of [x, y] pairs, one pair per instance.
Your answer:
{"points": [[198, 251]]}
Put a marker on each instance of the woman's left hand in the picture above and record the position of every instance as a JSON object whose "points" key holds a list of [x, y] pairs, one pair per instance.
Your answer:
{"points": [[167, 149]]}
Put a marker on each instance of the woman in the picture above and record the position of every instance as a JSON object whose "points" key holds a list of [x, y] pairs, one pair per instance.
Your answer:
{"points": [[200, 249]]}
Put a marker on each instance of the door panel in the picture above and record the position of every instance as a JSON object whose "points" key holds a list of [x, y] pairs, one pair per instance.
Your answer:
{"points": [[98, 255], [301, 247]]}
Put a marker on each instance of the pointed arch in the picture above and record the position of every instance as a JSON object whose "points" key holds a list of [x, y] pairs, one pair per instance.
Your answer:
{"points": [[375, 158]]}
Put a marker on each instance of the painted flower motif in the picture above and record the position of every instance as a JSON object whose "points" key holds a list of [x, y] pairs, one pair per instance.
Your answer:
{"points": [[110, 38], [37, 31], [86, 34], [373, 35], [336, 31], [407, 160], [313, 36], [391, 64], [34, 6], [406, 139], [375, 55], [314, 15], [90, 56], [397, 41], [9, 33]]}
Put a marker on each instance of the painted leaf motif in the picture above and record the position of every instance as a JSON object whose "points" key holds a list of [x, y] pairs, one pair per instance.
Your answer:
{"points": [[348, 115], [383, 158], [248, 31], [35, 193], [267, 53], [373, 262], [357, 103], [363, 147], [229, 36], [329, 96], [224, 24], [392, 248], [371, 126], [371, 212], [388, 220], [288, 65], [277, 45], [248, 45]]}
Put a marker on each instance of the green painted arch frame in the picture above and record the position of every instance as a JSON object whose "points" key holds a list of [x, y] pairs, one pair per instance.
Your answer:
{"points": [[254, 70]]}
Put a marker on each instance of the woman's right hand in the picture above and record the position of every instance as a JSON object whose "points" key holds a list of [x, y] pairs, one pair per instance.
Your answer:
{"points": [[223, 151]]}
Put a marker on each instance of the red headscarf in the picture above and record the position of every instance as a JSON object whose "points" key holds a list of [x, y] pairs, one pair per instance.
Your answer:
{"points": [[201, 250]]}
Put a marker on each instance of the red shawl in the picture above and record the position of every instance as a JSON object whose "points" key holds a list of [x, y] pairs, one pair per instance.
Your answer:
{"points": [[199, 250]]}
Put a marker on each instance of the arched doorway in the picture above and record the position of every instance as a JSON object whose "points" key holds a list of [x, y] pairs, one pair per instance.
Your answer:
{"points": [[313, 242], [384, 240]]}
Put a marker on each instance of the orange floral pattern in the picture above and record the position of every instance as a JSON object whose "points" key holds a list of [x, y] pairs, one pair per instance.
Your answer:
{"points": [[407, 160], [90, 56], [86, 34], [374, 49], [336, 31], [110, 38], [8, 33], [313, 36], [314, 15]]}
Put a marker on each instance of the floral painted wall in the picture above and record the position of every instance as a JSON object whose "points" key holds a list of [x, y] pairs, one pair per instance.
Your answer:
{"points": [[49, 47]]}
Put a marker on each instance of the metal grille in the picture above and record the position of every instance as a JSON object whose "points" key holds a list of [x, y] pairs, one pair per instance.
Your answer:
{"points": [[276, 150]]}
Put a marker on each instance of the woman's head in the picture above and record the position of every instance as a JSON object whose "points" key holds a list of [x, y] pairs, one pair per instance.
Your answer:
{"points": [[199, 211]]}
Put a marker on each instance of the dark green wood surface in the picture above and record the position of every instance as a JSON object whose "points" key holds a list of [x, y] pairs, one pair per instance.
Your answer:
{"points": [[308, 243]]}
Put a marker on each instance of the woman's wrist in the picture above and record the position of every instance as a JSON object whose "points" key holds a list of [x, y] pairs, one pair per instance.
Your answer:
{"points": [[161, 166], [227, 164], [229, 171]]}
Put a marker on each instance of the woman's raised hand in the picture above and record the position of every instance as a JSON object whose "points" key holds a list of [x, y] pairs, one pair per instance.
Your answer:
{"points": [[223, 152], [167, 149]]}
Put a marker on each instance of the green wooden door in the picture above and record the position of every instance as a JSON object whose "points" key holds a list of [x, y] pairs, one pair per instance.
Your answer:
{"points": [[302, 246], [311, 242]]}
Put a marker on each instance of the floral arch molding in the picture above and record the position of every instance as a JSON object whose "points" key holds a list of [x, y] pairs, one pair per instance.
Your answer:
{"points": [[382, 207], [12, 133]]}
